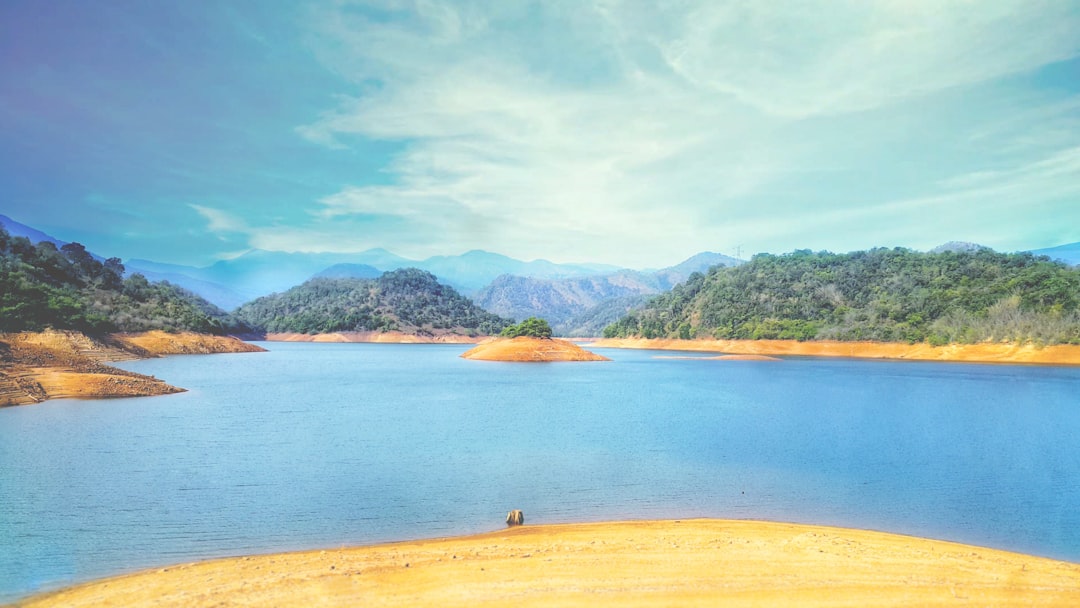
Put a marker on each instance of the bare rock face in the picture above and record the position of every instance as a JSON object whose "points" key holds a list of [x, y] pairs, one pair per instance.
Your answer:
{"points": [[525, 349]]}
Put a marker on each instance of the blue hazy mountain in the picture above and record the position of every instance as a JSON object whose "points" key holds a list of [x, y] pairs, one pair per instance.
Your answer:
{"points": [[36, 236], [258, 272], [1070, 253], [350, 271], [584, 305]]}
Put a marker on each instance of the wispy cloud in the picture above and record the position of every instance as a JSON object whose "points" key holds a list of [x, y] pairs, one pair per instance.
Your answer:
{"points": [[219, 220], [625, 133]]}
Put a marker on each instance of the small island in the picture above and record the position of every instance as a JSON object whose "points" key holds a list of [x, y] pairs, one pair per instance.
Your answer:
{"points": [[530, 342]]}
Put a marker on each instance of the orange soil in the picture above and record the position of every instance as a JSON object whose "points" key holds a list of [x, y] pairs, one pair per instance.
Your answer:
{"points": [[391, 337], [525, 349], [981, 353], [725, 358], [645, 563], [60, 364], [185, 343]]}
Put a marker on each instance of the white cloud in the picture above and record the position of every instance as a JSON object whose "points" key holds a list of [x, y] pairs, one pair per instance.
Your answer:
{"points": [[621, 133], [220, 221]]}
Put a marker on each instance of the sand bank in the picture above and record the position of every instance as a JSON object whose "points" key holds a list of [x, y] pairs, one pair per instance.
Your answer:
{"points": [[976, 353], [528, 350], [159, 343], [35, 366], [390, 337], [723, 358], [650, 563]]}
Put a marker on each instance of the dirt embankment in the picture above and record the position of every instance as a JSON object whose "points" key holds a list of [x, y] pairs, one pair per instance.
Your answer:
{"points": [[390, 337], [645, 563], [35, 366], [525, 349], [975, 353], [184, 343]]}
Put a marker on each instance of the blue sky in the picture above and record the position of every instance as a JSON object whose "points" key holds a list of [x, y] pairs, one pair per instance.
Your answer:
{"points": [[602, 131]]}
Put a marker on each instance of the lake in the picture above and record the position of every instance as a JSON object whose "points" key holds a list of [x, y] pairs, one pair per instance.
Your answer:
{"points": [[324, 445]]}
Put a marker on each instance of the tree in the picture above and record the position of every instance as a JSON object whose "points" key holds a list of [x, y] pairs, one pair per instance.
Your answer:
{"points": [[532, 327]]}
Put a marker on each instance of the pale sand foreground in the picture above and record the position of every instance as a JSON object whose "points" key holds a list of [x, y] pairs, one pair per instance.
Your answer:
{"points": [[649, 563]]}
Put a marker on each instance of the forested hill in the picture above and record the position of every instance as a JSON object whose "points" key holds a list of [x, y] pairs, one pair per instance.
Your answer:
{"points": [[409, 300], [890, 295], [42, 286]]}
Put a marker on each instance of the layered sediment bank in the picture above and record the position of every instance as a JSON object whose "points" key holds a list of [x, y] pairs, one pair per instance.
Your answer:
{"points": [[974, 353], [529, 350], [644, 563], [35, 366]]}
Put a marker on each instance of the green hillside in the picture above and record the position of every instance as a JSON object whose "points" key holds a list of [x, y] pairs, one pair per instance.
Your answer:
{"points": [[889, 295], [67, 288], [407, 300]]}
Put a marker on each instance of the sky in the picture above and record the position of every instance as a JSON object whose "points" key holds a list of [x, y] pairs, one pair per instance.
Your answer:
{"points": [[607, 131]]}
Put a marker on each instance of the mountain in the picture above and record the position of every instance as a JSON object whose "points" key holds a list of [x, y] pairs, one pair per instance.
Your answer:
{"points": [[887, 295], [407, 300], [1070, 254], [43, 286], [36, 236], [559, 300], [673, 275], [349, 271], [583, 306], [475, 269], [958, 246], [591, 322], [258, 272]]}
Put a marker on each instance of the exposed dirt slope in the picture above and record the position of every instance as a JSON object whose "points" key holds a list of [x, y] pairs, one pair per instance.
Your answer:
{"points": [[57, 364], [525, 349], [184, 343], [649, 563]]}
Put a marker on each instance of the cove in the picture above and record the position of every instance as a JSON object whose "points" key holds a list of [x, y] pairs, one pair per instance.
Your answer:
{"points": [[323, 445]]}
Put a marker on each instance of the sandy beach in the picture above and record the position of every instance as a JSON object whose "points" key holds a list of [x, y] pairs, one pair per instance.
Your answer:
{"points": [[974, 353], [646, 563]]}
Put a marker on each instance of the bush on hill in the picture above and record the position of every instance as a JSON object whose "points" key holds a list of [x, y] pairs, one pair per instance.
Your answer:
{"points": [[532, 327]]}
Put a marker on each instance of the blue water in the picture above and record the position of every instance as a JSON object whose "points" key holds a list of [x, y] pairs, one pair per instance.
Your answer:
{"points": [[316, 445]]}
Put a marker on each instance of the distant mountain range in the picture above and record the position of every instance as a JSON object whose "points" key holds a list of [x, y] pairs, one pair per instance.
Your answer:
{"points": [[258, 273], [583, 306], [577, 299]]}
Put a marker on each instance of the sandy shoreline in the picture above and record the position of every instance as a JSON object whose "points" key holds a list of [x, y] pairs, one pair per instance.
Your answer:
{"points": [[391, 337], [642, 563], [37, 366], [974, 353]]}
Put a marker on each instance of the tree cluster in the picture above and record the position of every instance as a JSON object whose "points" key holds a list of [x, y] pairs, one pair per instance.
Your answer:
{"points": [[42, 286], [889, 295], [532, 327], [407, 300]]}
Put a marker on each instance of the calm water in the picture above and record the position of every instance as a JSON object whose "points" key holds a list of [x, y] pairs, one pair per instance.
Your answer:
{"points": [[328, 445]]}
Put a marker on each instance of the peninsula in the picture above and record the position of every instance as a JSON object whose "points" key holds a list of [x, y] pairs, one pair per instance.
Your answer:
{"points": [[52, 364]]}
